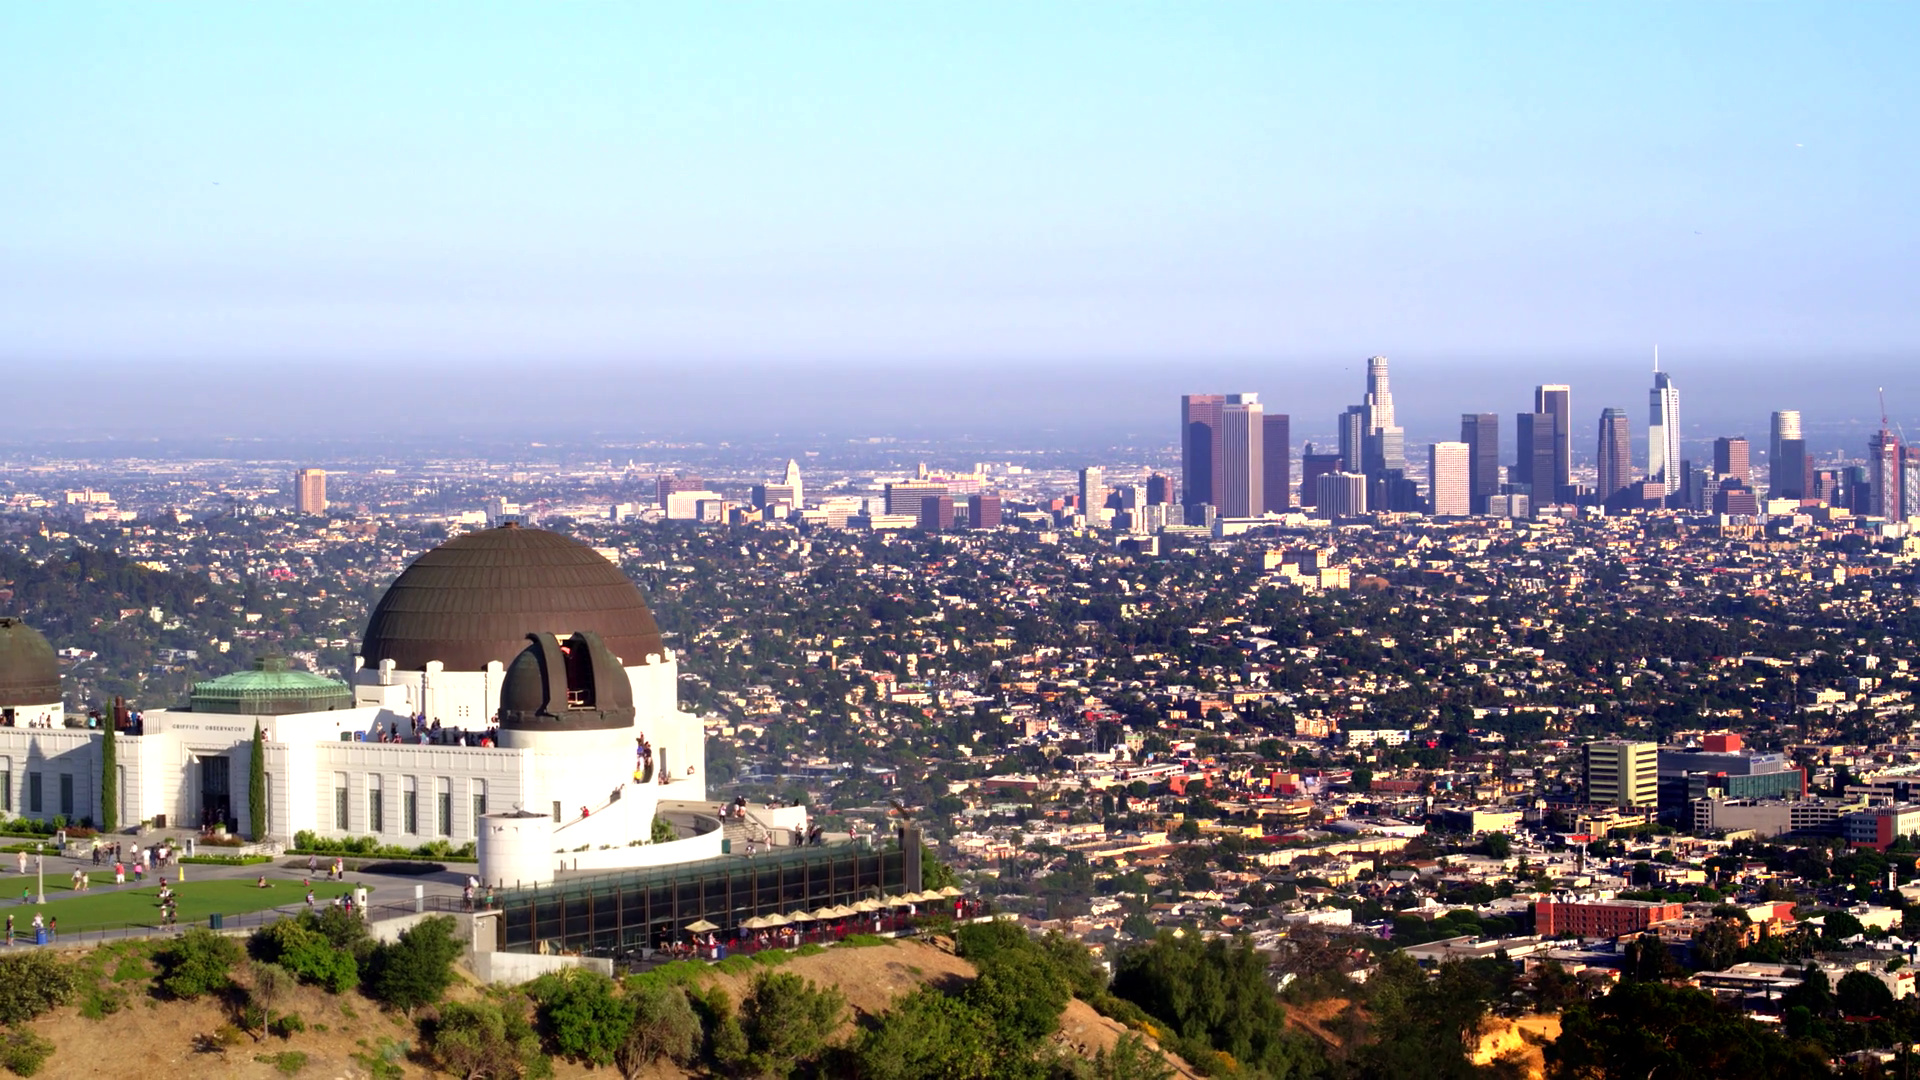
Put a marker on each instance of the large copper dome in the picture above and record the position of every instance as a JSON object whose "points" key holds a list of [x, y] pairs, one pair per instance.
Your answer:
{"points": [[29, 671], [474, 600]]}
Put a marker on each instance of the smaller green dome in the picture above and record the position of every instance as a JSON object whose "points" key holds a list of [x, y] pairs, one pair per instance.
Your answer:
{"points": [[270, 689]]}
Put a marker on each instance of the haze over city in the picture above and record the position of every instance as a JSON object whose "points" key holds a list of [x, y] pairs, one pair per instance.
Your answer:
{"points": [[348, 221]]}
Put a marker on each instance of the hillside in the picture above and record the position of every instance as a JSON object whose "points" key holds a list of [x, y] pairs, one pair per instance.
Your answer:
{"points": [[169, 1040]]}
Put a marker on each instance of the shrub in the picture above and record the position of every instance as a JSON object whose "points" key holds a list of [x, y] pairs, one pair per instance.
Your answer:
{"points": [[289, 1062], [787, 1021], [286, 1027], [226, 860], [23, 1052], [200, 962], [32, 984], [303, 948], [483, 1040], [664, 1026], [418, 968], [581, 1016]]}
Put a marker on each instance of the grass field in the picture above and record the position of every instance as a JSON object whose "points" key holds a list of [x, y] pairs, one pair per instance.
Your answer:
{"points": [[110, 908]]}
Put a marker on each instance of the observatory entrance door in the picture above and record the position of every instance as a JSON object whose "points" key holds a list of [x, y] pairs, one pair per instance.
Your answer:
{"points": [[216, 791]]}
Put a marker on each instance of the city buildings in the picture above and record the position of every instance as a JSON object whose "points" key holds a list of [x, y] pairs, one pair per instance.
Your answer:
{"points": [[1569, 917], [1093, 492], [1789, 474], [310, 491], [1885, 489], [983, 510], [1556, 399], [1242, 492], [1533, 463], [1481, 433], [1200, 448], [1449, 483], [1384, 445], [1341, 494], [1613, 457], [1312, 467], [1276, 468], [1731, 459], [1623, 773], [1664, 466]]}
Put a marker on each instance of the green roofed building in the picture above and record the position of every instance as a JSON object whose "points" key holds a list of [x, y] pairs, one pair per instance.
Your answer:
{"points": [[271, 689]]}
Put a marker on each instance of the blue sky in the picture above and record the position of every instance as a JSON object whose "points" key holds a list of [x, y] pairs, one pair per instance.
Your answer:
{"points": [[939, 184]]}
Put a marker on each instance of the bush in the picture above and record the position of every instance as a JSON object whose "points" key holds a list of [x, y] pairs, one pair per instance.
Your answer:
{"points": [[200, 962], [664, 1026], [300, 946], [418, 968], [286, 1027], [32, 984], [787, 1021], [226, 860], [289, 1062], [483, 1040], [23, 1052], [581, 1016]]}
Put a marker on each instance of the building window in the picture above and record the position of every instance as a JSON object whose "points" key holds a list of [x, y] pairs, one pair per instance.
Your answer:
{"points": [[556, 811], [340, 801], [410, 807], [479, 804], [33, 796], [263, 827], [6, 785], [444, 811], [66, 795], [376, 811]]}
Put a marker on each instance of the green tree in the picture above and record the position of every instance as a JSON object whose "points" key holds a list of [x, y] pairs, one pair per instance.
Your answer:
{"points": [[581, 1016], [1131, 1059], [109, 780], [1497, 845], [416, 969], [257, 785], [32, 984], [199, 962], [1861, 994], [928, 1034], [1717, 945], [484, 1041], [663, 831], [664, 1027], [787, 1021], [1023, 992], [1655, 1029], [935, 874]]}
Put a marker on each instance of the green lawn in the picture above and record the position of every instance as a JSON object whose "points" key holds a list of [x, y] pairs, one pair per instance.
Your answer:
{"points": [[111, 908]]}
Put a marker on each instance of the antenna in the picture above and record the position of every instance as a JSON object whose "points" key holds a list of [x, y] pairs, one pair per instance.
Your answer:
{"points": [[1883, 408], [1656, 358]]}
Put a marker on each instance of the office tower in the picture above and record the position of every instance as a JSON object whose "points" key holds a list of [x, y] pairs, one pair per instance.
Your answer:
{"points": [[1663, 431], [793, 482], [1557, 399], [983, 511], [1883, 476], [310, 491], [1481, 433], [1276, 469], [1384, 445], [1200, 447], [936, 513], [1341, 494], [1613, 457], [1353, 437], [765, 495], [1312, 467], [1827, 487], [1855, 489], [666, 486], [1093, 491], [1624, 774], [1159, 490], [1243, 425], [1533, 463], [1448, 485], [1735, 498], [1732, 459], [1910, 481], [1786, 465], [903, 496]]}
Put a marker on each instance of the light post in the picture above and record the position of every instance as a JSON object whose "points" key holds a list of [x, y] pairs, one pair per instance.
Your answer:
{"points": [[40, 872]]}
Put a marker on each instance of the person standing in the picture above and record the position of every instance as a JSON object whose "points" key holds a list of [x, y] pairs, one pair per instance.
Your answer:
{"points": [[9, 931]]}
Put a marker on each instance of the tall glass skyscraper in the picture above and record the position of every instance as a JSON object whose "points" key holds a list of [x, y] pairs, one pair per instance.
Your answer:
{"points": [[1557, 399], [1613, 456], [1481, 433], [1663, 431]]}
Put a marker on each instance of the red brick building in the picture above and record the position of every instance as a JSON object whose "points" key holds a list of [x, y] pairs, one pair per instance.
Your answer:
{"points": [[1599, 918]]}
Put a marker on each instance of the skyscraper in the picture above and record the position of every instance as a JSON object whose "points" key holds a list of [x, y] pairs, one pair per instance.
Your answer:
{"points": [[1534, 448], [1243, 425], [1910, 480], [1614, 456], [1353, 437], [1663, 431], [1341, 494], [310, 491], [1093, 491], [1448, 485], [1788, 476], [1557, 399], [1200, 447], [1385, 445], [1312, 467], [1732, 459], [793, 481], [1481, 433], [983, 511], [1276, 471], [1883, 476], [1159, 489]]}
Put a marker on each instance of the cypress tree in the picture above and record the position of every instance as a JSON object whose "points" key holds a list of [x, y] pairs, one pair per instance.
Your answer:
{"points": [[109, 780], [257, 786]]}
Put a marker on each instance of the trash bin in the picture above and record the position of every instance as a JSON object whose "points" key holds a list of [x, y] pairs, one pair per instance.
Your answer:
{"points": [[40, 936], [726, 847], [216, 921]]}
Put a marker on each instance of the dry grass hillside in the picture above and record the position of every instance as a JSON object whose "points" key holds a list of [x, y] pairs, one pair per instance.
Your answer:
{"points": [[348, 1036]]}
